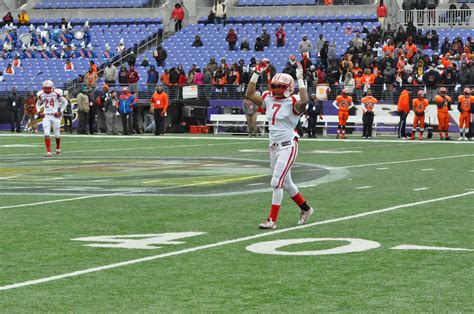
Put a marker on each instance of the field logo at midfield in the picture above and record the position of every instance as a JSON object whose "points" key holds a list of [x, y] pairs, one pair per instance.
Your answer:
{"points": [[138, 241], [271, 247]]}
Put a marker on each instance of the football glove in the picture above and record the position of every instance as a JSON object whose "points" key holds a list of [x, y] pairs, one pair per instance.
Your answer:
{"points": [[40, 115], [299, 71], [262, 66], [57, 114]]}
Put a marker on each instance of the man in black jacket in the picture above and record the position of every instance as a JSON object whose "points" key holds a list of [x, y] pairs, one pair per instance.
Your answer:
{"points": [[160, 56], [15, 106]]}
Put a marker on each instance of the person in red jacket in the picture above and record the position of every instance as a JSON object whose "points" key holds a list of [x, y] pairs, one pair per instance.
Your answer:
{"points": [[280, 37], [132, 79], [178, 16], [381, 12]]}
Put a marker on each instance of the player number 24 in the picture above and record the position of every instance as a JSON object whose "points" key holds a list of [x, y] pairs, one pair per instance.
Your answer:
{"points": [[48, 103], [277, 108]]}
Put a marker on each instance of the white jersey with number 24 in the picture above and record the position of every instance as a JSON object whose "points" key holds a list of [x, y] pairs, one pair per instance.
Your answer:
{"points": [[282, 117], [52, 102]]}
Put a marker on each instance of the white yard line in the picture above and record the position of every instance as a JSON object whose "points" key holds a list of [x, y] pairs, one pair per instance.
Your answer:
{"points": [[428, 169], [364, 187], [382, 168], [406, 161], [421, 189], [227, 242]]}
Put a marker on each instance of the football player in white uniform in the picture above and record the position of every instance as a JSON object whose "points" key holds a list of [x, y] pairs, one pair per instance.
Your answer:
{"points": [[50, 105], [283, 111]]}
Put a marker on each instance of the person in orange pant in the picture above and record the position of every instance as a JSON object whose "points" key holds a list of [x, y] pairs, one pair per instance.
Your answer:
{"points": [[465, 103], [443, 102], [419, 107], [343, 104]]}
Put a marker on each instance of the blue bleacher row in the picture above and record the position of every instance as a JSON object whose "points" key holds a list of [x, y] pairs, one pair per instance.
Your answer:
{"points": [[99, 21], [89, 4], [297, 19], [275, 2]]}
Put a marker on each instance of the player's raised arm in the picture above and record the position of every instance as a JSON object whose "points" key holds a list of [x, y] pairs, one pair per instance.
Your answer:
{"points": [[301, 104], [252, 86]]}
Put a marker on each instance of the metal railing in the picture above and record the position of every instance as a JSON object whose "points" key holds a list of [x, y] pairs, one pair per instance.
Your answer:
{"points": [[437, 17]]}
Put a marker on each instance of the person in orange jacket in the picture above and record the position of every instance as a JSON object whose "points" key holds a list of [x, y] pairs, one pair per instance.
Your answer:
{"points": [[465, 103], [419, 107], [403, 111], [158, 107], [443, 102]]}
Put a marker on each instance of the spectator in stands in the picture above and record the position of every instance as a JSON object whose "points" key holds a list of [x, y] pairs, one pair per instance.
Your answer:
{"points": [[420, 6], [132, 79], [83, 108], [16, 61], [91, 79], [431, 79], [64, 23], [178, 16], [220, 12], [123, 76], [382, 13], [212, 65], [319, 44], [152, 78], [231, 39], [465, 75], [131, 59], [265, 37], [323, 53], [210, 18], [110, 74], [69, 66], [431, 6], [244, 45], [219, 81], [165, 79], [259, 46], [110, 107], [15, 106], [233, 80], [433, 38], [332, 52], [207, 82], [93, 66], [305, 45], [23, 19], [408, 6], [280, 37], [452, 14], [120, 47], [357, 42], [158, 107], [191, 75], [465, 13], [107, 53], [411, 30], [197, 41], [291, 66], [7, 19], [446, 46], [349, 84], [160, 55], [9, 70]]}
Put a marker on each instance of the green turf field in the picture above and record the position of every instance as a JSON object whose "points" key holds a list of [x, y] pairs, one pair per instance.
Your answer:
{"points": [[188, 208]]}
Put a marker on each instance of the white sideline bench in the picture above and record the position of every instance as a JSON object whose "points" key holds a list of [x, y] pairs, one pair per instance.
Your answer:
{"points": [[333, 120], [235, 120]]}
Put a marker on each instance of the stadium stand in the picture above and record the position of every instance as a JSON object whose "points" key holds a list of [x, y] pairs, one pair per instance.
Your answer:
{"points": [[79, 4], [133, 31]]}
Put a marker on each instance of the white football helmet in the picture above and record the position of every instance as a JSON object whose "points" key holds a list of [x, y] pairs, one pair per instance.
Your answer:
{"points": [[48, 86], [282, 85]]}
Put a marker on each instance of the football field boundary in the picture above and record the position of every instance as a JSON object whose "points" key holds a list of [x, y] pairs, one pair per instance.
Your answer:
{"points": [[227, 242]]}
